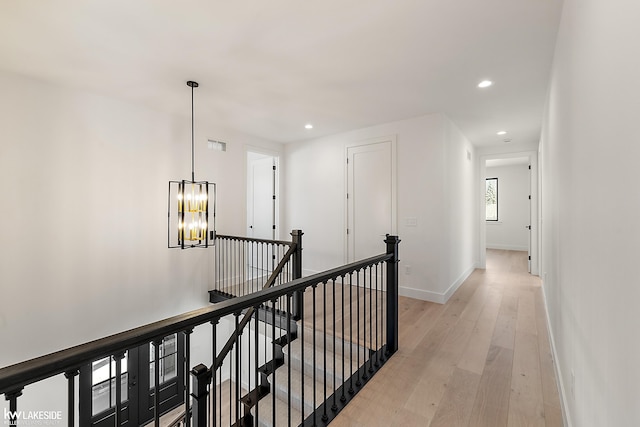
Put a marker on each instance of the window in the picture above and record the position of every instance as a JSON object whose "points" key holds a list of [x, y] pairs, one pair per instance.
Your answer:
{"points": [[97, 401], [168, 360], [491, 198], [103, 383]]}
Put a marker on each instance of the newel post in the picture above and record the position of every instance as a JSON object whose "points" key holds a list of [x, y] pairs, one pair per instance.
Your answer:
{"points": [[201, 379], [298, 297], [392, 294]]}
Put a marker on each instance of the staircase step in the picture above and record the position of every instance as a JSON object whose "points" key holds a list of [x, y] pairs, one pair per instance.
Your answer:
{"points": [[295, 348], [282, 391], [365, 339], [265, 412]]}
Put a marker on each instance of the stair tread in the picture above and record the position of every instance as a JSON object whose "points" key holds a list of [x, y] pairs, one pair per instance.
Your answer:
{"points": [[282, 386], [265, 412], [296, 347]]}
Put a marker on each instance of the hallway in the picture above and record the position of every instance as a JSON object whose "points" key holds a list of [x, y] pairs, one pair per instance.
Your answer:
{"points": [[481, 359]]}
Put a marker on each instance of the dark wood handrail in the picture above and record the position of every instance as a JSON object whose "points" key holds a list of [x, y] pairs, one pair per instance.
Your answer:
{"points": [[251, 239], [16, 377]]}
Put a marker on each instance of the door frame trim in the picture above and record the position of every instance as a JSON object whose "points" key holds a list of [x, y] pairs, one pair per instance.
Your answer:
{"points": [[482, 172], [394, 189]]}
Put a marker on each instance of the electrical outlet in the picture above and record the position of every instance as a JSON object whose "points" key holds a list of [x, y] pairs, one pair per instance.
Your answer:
{"points": [[407, 269]]}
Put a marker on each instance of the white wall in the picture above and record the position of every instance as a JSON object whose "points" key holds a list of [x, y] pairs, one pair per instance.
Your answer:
{"points": [[435, 185], [83, 232], [590, 209], [509, 231], [460, 201]]}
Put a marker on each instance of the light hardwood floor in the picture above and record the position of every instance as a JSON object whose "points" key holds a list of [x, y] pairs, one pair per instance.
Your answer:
{"points": [[481, 359]]}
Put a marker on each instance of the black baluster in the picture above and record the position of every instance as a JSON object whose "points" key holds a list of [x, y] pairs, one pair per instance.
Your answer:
{"points": [[225, 267], [237, 399], [364, 323], [370, 320], [232, 280], [156, 386], [110, 388], [239, 374], [300, 312], [377, 364], [248, 263], [343, 398], [315, 367], [71, 396], [383, 303], [217, 267], [231, 386], [273, 358], [351, 391], [214, 352], [187, 364], [257, 357], [325, 417], [289, 359], [334, 407], [118, 414], [248, 326], [358, 382]]}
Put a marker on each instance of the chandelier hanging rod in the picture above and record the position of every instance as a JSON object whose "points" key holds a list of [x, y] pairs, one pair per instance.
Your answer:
{"points": [[192, 84]]}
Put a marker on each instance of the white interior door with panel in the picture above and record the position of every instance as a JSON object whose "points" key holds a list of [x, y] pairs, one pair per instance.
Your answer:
{"points": [[261, 209], [371, 197]]}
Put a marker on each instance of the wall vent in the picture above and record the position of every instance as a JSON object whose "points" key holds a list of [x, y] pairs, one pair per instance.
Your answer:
{"points": [[216, 145]]}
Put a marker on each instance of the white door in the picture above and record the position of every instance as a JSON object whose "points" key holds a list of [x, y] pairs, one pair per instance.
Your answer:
{"points": [[261, 202], [370, 198], [261, 211]]}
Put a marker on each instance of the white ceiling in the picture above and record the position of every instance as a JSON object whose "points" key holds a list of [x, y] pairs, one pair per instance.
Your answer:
{"points": [[269, 67]]}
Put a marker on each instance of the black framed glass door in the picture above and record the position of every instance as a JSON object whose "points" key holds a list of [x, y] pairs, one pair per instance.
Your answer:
{"points": [[98, 384]]}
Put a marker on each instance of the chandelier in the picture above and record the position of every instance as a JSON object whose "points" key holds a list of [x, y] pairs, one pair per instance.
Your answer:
{"points": [[192, 206]]}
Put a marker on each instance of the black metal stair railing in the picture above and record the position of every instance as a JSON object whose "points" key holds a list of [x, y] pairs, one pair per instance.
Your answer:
{"points": [[244, 264], [351, 329], [279, 370]]}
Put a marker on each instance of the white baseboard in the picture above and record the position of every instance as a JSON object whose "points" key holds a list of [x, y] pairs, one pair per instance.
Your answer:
{"points": [[507, 247], [421, 294], [566, 418], [455, 285], [436, 297]]}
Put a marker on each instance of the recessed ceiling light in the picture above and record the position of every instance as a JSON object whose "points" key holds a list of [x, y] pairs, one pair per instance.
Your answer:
{"points": [[308, 126], [502, 132], [485, 83]]}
